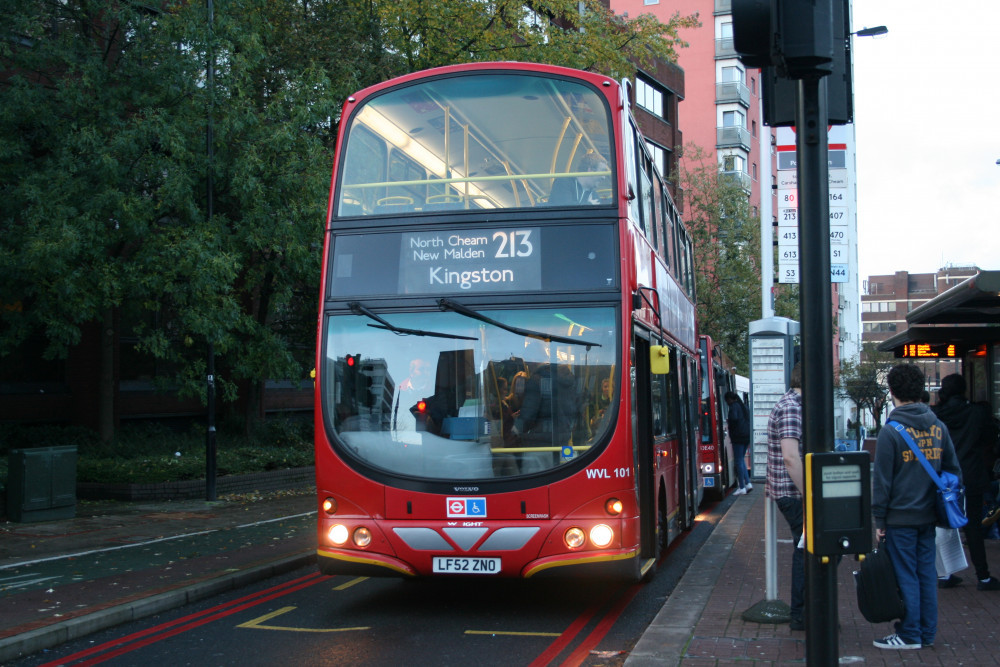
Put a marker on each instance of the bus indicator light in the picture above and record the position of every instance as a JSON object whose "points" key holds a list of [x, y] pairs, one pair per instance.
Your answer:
{"points": [[575, 537], [362, 536]]}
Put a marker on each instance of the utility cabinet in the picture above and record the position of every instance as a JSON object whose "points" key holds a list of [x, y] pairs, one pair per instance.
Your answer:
{"points": [[41, 483]]}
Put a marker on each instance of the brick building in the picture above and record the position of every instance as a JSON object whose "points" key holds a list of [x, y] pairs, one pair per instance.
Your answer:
{"points": [[885, 301]]}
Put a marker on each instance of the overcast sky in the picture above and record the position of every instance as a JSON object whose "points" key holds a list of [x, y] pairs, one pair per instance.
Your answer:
{"points": [[927, 142]]}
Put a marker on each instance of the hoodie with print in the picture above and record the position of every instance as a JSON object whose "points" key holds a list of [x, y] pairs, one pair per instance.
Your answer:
{"points": [[903, 494]]}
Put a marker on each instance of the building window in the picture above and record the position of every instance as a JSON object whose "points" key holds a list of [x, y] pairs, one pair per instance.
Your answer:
{"points": [[733, 163], [733, 119], [650, 2], [648, 97], [753, 86], [878, 307], [659, 156], [753, 127], [732, 74], [754, 173]]}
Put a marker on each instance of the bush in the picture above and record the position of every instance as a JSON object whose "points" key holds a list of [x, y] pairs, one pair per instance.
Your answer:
{"points": [[164, 451]]}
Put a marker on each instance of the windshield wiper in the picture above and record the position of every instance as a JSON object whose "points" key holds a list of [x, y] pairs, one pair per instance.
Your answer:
{"points": [[448, 304], [358, 309]]}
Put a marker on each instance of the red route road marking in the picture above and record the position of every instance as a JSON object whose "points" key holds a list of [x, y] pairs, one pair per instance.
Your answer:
{"points": [[144, 638]]}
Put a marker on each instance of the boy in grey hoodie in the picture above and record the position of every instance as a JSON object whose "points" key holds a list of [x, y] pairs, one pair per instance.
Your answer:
{"points": [[904, 505]]}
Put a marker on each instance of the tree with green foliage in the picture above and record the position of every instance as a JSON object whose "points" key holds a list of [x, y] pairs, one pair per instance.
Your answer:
{"points": [[725, 234], [106, 177], [431, 33], [863, 381]]}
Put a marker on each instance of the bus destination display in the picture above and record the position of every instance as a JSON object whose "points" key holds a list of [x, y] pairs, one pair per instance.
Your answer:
{"points": [[449, 261]]}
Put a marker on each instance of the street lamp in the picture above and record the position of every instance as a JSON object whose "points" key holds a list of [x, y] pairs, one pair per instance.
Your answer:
{"points": [[871, 32]]}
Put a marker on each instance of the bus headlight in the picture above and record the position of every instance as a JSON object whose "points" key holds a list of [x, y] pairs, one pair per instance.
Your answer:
{"points": [[329, 505], [362, 536], [601, 535], [575, 537], [338, 534], [708, 468]]}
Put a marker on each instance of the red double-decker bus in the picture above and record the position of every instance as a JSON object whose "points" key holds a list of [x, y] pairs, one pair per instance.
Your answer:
{"points": [[715, 452], [507, 358]]}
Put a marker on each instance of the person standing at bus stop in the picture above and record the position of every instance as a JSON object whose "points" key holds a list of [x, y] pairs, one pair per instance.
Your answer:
{"points": [[904, 505], [972, 432], [739, 435], [785, 481]]}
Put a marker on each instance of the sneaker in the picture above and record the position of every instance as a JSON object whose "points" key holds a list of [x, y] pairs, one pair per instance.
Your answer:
{"points": [[990, 584], [992, 515], [950, 582], [740, 492], [749, 487], [894, 641]]}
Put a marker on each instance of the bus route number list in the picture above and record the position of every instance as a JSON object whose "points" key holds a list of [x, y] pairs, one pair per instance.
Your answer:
{"points": [[788, 220], [457, 261]]}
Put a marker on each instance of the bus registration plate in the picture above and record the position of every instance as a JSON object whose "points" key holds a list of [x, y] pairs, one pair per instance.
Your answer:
{"points": [[453, 565]]}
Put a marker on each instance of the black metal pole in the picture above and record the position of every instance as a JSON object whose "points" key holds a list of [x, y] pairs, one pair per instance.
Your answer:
{"points": [[210, 195], [815, 304]]}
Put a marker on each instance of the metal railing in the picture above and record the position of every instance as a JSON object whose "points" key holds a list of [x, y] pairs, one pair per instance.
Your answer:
{"points": [[724, 48], [740, 178], [732, 136], [732, 91]]}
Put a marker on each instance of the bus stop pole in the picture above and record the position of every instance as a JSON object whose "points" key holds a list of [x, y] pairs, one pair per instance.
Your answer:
{"points": [[815, 305], [770, 550]]}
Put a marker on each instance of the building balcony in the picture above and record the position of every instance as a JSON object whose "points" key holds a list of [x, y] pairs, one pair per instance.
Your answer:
{"points": [[732, 91], [739, 178], [732, 136], [724, 48], [723, 6]]}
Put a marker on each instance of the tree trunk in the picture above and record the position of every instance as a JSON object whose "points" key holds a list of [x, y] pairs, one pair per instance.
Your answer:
{"points": [[107, 391]]}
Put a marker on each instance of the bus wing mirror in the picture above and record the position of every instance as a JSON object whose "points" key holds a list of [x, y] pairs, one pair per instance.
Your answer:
{"points": [[659, 360]]}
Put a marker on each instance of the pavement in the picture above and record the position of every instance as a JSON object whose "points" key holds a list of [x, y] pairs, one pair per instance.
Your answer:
{"points": [[118, 561]]}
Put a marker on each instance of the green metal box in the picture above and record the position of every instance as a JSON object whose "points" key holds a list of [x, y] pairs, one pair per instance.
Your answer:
{"points": [[41, 483]]}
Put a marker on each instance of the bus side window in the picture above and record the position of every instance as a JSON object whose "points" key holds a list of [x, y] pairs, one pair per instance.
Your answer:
{"points": [[657, 402]]}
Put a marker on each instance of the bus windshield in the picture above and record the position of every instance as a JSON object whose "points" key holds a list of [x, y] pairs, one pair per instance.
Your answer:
{"points": [[476, 142], [450, 396]]}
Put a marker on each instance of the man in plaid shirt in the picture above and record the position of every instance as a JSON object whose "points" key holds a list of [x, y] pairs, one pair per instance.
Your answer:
{"points": [[785, 482]]}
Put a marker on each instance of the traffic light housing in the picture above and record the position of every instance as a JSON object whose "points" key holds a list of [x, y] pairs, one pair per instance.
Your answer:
{"points": [[796, 39], [794, 36]]}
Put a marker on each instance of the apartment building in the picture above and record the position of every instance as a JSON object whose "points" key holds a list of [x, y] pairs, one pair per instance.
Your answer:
{"points": [[886, 299]]}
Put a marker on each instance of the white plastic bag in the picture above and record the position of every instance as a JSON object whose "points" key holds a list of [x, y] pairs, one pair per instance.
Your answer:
{"points": [[949, 556]]}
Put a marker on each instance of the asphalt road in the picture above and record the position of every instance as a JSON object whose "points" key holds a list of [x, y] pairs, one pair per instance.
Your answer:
{"points": [[317, 620]]}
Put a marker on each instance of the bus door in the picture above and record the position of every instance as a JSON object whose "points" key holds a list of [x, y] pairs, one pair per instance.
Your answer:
{"points": [[689, 487], [643, 450]]}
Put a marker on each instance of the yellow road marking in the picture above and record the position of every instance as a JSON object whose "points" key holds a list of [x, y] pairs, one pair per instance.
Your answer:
{"points": [[258, 624], [350, 583]]}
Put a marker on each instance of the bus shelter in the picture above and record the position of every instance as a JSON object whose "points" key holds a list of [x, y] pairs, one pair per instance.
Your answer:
{"points": [[962, 323]]}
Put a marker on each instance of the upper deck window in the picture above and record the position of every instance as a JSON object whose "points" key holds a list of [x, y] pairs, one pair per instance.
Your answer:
{"points": [[482, 141]]}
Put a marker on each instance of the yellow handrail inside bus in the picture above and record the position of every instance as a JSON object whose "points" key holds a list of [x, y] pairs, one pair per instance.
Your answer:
{"points": [[472, 179]]}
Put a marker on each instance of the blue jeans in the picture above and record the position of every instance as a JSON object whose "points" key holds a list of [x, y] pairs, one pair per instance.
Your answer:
{"points": [[911, 550], [791, 509], [740, 455]]}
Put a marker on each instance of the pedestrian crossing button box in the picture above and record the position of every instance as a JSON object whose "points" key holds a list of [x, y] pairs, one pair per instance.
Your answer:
{"points": [[838, 503]]}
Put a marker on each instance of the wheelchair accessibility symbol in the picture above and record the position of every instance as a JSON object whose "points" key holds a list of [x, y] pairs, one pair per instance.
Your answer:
{"points": [[465, 508]]}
